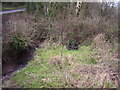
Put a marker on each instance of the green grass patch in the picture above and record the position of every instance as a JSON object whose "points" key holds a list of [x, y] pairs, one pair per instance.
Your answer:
{"points": [[40, 74]]}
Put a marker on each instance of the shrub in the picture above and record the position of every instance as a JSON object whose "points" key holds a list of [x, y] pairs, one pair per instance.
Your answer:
{"points": [[19, 42], [73, 43]]}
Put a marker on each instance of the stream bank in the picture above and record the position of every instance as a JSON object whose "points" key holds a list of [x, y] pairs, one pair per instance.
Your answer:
{"points": [[13, 62], [9, 68]]}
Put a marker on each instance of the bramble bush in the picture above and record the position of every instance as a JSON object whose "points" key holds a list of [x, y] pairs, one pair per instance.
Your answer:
{"points": [[19, 42]]}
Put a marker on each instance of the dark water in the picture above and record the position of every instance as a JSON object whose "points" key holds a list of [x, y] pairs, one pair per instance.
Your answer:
{"points": [[9, 69], [9, 74]]}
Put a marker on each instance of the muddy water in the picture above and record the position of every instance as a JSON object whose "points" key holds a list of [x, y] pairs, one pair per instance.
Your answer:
{"points": [[10, 68], [8, 72]]}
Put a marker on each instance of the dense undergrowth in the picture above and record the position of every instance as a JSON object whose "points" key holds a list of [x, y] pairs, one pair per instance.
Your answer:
{"points": [[72, 51], [52, 67], [56, 66]]}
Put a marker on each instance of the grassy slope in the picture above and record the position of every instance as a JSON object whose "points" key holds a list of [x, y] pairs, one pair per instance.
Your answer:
{"points": [[39, 69], [55, 67]]}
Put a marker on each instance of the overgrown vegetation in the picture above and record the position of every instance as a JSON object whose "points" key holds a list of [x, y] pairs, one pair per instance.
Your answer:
{"points": [[58, 67], [75, 47], [19, 42], [52, 62]]}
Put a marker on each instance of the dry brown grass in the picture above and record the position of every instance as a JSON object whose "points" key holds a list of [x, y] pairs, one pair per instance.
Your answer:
{"points": [[81, 75], [103, 48], [63, 60], [103, 74]]}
